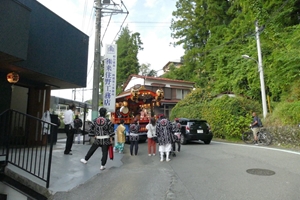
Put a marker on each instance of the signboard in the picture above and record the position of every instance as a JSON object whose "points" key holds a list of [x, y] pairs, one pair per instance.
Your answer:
{"points": [[110, 76]]}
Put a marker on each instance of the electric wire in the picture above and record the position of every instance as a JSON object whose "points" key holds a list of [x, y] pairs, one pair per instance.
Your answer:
{"points": [[84, 14], [106, 27], [249, 34], [91, 20], [89, 73], [277, 11], [122, 22]]}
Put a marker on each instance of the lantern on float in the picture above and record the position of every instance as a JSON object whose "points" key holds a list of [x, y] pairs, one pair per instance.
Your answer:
{"points": [[160, 94], [125, 103], [117, 105]]}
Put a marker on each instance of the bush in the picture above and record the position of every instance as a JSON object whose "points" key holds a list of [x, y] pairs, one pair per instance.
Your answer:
{"points": [[285, 113], [228, 116]]}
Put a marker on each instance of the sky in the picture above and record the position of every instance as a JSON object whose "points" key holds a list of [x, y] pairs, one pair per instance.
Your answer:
{"points": [[150, 18]]}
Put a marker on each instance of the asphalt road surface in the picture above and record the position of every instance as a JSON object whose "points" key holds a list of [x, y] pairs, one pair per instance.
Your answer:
{"points": [[218, 171]]}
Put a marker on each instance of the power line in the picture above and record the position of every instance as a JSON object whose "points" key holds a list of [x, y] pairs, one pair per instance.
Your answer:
{"points": [[84, 14], [122, 22], [120, 28], [247, 34], [141, 22], [91, 19], [106, 27]]}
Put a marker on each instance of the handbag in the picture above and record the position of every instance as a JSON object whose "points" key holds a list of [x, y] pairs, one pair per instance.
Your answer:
{"points": [[155, 139], [111, 152]]}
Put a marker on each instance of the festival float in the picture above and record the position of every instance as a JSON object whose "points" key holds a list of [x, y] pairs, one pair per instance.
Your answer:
{"points": [[137, 104]]}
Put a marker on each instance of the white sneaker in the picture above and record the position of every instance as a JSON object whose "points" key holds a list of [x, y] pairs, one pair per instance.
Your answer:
{"points": [[102, 167], [83, 161], [153, 154], [168, 159], [149, 154], [161, 160]]}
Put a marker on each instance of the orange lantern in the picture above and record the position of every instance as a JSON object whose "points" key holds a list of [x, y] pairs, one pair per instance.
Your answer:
{"points": [[12, 77]]}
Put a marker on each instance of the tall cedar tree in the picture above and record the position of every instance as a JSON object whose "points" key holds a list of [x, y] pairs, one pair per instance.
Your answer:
{"points": [[129, 46]]}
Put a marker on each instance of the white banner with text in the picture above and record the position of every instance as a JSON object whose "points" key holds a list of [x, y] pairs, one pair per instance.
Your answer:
{"points": [[110, 76]]}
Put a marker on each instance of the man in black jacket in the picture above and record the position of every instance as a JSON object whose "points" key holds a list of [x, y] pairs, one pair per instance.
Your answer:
{"points": [[104, 132]]}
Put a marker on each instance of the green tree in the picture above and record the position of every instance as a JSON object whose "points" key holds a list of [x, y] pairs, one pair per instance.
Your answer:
{"points": [[129, 45], [215, 34], [146, 71]]}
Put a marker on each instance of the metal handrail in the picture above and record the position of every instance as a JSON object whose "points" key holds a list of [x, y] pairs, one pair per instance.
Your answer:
{"points": [[27, 143]]}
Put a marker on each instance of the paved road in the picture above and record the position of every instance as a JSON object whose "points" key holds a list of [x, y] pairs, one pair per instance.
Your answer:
{"points": [[210, 172]]}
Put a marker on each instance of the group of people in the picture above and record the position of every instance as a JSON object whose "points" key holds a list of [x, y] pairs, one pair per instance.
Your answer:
{"points": [[162, 131]]}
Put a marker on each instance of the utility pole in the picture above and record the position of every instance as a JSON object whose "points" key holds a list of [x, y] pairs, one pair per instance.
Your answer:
{"points": [[97, 60], [97, 55], [261, 72]]}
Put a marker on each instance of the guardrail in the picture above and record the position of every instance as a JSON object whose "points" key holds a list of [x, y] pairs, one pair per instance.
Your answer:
{"points": [[27, 143]]}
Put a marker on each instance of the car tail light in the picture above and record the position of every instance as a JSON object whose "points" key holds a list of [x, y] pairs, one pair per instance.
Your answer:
{"points": [[208, 126], [187, 128]]}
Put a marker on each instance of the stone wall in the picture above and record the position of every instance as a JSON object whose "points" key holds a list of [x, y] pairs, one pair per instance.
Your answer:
{"points": [[285, 136]]}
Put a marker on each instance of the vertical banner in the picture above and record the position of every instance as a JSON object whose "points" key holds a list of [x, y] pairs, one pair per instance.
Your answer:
{"points": [[110, 76]]}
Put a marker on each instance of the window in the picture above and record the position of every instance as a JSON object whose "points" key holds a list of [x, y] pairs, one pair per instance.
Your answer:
{"points": [[178, 93], [167, 93], [185, 92]]}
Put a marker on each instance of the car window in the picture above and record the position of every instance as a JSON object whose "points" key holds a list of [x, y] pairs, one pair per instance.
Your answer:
{"points": [[197, 124]]}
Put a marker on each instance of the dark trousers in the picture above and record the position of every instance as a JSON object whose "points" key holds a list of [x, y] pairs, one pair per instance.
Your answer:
{"points": [[92, 150], [136, 145], [70, 138], [174, 146]]}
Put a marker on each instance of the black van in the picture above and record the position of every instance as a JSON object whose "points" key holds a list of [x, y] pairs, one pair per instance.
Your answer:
{"points": [[195, 129]]}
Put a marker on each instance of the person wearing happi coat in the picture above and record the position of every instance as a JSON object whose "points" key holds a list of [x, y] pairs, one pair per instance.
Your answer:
{"points": [[164, 134]]}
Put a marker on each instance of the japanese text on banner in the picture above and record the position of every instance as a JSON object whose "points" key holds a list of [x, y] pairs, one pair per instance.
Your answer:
{"points": [[110, 75]]}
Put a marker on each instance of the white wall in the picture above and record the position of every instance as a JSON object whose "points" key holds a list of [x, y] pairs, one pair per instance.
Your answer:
{"points": [[11, 193], [19, 99]]}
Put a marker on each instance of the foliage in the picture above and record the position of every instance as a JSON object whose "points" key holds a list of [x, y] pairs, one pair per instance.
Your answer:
{"points": [[129, 45], [228, 116], [145, 70], [215, 34]]}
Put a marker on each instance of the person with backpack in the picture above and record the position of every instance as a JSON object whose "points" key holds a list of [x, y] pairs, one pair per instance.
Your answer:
{"points": [[77, 126], [134, 137], [177, 133], [255, 125]]}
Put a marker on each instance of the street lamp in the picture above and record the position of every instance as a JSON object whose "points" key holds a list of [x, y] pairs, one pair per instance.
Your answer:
{"points": [[262, 84]]}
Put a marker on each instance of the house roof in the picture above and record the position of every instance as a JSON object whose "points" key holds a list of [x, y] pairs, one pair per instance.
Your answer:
{"points": [[154, 78], [170, 62]]}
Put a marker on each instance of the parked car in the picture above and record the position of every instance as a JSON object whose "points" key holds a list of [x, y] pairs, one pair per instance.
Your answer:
{"points": [[142, 138], [195, 129]]}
